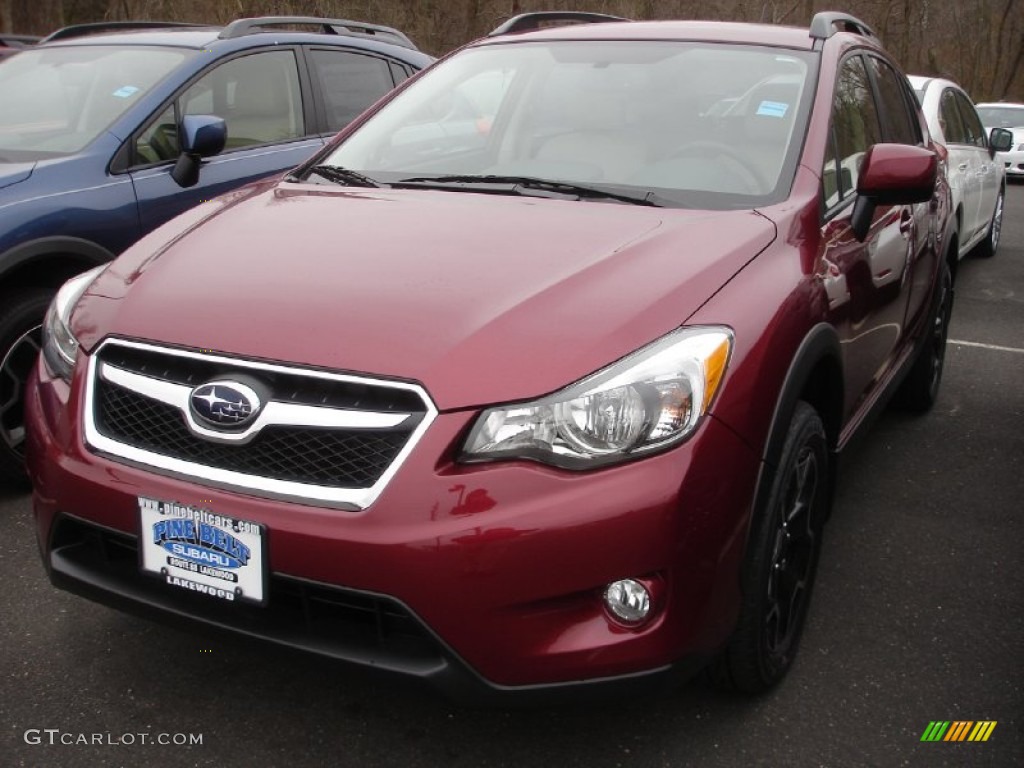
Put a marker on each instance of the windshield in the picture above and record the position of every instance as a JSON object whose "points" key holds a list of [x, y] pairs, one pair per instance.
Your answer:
{"points": [[699, 125], [1002, 117], [57, 100]]}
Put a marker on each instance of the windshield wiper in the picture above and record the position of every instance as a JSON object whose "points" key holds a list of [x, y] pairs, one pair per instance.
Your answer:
{"points": [[340, 175], [529, 183]]}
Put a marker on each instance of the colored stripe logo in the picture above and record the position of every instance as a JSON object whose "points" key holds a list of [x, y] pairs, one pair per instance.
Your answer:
{"points": [[959, 730]]}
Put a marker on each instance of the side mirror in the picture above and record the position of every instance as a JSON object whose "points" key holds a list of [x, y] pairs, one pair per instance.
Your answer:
{"points": [[892, 174], [1000, 140], [201, 136]]}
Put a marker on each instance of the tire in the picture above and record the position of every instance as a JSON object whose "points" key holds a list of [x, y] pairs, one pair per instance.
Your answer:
{"points": [[986, 249], [20, 342], [782, 559], [920, 389]]}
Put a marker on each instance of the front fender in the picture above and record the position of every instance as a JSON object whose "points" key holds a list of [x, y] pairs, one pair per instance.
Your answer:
{"points": [[72, 249]]}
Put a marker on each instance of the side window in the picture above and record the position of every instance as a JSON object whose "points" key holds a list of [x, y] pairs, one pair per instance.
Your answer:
{"points": [[830, 174], [350, 82], [949, 115], [399, 72], [975, 132], [855, 128], [899, 123], [159, 142], [257, 96]]}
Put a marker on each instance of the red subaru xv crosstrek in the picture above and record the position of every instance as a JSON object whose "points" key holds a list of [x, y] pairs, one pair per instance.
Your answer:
{"points": [[535, 380]]}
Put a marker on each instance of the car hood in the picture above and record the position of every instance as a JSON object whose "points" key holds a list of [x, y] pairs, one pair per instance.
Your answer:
{"points": [[481, 298], [12, 173]]}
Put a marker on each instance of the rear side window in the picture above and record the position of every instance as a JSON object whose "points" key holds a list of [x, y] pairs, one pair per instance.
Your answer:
{"points": [[855, 128], [350, 82], [949, 115]]}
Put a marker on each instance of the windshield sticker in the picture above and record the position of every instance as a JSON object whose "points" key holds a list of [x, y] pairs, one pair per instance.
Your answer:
{"points": [[773, 109], [125, 91]]}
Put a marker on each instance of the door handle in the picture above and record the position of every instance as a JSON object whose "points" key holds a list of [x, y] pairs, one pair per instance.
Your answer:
{"points": [[906, 222], [962, 166]]}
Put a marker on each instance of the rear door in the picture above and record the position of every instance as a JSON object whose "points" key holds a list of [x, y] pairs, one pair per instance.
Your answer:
{"points": [[270, 124]]}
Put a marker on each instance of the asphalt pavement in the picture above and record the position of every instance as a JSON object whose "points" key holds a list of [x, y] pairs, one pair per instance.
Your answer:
{"points": [[918, 617]]}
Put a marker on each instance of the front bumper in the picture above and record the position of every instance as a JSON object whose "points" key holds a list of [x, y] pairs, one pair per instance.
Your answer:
{"points": [[1013, 161], [485, 580]]}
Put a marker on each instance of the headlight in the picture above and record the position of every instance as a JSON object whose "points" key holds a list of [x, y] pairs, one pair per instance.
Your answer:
{"points": [[649, 400], [60, 347]]}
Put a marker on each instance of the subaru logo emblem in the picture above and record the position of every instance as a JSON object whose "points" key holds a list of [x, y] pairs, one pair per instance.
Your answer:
{"points": [[224, 403]]}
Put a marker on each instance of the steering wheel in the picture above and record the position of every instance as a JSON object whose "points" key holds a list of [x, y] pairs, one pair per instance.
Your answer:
{"points": [[738, 166]]}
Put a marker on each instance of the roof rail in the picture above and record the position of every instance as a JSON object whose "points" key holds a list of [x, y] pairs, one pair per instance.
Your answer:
{"points": [[242, 27], [827, 23], [526, 22], [81, 30], [18, 41]]}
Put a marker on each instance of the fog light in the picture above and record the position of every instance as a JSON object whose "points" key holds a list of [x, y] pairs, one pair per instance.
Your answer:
{"points": [[628, 601]]}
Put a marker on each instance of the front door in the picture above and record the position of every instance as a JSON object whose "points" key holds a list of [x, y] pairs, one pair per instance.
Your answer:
{"points": [[259, 97]]}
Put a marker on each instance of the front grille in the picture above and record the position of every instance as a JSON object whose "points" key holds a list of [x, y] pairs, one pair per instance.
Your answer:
{"points": [[345, 459], [340, 622], [320, 437], [288, 386]]}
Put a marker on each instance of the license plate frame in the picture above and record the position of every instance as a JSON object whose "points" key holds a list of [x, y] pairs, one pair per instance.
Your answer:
{"points": [[195, 549]]}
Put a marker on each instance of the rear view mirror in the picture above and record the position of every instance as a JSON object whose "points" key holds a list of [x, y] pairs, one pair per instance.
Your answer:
{"points": [[1000, 140], [892, 174], [201, 136]]}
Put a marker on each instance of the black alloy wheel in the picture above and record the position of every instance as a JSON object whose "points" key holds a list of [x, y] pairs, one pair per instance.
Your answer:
{"points": [[21, 331], [783, 551], [920, 389], [793, 553]]}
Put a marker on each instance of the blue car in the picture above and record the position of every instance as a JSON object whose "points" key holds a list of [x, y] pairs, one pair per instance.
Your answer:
{"points": [[109, 130]]}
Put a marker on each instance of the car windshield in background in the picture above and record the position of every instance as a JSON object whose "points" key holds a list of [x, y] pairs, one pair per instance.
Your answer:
{"points": [[1002, 117], [56, 101], [696, 125]]}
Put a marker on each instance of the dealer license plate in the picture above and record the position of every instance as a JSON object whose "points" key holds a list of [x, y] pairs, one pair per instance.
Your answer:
{"points": [[203, 552]]}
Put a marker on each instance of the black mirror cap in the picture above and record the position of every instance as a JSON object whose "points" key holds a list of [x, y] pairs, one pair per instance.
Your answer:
{"points": [[186, 170], [898, 174], [1000, 140], [203, 135]]}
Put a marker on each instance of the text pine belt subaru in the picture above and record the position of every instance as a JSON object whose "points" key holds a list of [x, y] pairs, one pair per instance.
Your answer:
{"points": [[533, 381]]}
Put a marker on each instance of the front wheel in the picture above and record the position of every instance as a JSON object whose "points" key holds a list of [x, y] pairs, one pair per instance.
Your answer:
{"points": [[21, 330], [782, 559]]}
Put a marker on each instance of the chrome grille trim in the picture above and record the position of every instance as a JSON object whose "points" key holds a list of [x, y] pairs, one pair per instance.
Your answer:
{"points": [[274, 413]]}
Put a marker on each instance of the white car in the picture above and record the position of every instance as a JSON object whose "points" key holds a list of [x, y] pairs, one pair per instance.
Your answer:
{"points": [[976, 176], [1003, 114]]}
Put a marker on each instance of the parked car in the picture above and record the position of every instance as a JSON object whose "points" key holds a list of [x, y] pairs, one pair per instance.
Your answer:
{"points": [[11, 44], [98, 143], [554, 404], [975, 174], [1003, 114]]}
